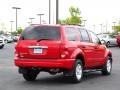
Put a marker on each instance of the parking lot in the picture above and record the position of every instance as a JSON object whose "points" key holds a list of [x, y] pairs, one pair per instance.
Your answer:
{"points": [[11, 80]]}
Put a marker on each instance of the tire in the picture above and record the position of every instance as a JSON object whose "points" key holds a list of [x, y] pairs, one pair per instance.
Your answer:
{"points": [[106, 70], [77, 71], [1, 46], [30, 75], [119, 46], [108, 44]]}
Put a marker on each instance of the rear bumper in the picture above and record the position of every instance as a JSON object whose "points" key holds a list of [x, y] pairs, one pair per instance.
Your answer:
{"points": [[45, 63]]}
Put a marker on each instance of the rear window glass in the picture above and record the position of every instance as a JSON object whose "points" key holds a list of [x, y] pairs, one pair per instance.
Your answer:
{"points": [[37, 33]]}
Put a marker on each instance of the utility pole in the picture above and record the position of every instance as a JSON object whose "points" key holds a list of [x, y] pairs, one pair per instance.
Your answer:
{"points": [[11, 22], [57, 11], [16, 8], [40, 16], [106, 28], [114, 25], [84, 22], [31, 20], [49, 11], [94, 28], [101, 28]]}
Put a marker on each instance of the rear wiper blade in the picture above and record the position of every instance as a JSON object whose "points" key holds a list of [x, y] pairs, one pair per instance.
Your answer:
{"points": [[43, 39]]}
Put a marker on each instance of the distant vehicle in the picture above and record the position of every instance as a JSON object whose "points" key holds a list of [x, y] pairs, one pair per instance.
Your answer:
{"points": [[60, 49], [9, 39], [110, 41], [15, 38], [4, 37], [2, 43]]}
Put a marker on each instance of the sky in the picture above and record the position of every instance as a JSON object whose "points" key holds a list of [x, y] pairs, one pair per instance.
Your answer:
{"points": [[96, 12]]}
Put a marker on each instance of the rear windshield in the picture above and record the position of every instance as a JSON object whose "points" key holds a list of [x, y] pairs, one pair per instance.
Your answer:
{"points": [[37, 33]]}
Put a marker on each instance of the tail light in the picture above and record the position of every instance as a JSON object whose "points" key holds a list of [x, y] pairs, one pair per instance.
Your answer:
{"points": [[16, 54], [64, 52]]}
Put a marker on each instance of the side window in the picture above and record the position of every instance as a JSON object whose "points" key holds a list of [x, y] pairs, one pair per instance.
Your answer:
{"points": [[71, 33], [94, 37], [84, 35]]}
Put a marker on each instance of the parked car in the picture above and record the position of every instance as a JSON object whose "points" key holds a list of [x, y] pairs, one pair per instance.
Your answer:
{"points": [[2, 43], [9, 39], [15, 38], [4, 37], [110, 41], [60, 48]]}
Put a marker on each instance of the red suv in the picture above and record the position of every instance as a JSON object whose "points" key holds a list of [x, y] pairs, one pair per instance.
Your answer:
{"points": [[60, 48]]}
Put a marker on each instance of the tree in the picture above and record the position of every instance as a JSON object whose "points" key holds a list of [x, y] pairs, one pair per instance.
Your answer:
{"points": [[19, 30], [1, 32], [74, 18], [117, 28]]}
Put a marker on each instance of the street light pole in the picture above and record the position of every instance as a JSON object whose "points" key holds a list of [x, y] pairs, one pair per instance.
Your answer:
{"points": [[114, 25], [57, 11], [40, 17], [16, 8], [49, 11], [84, 21], [31, 19], [94, 27], [101, 28], [11, 22]]}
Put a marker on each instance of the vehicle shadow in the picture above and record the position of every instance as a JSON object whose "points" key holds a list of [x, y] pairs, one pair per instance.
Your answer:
{"points": [[61, 80]]}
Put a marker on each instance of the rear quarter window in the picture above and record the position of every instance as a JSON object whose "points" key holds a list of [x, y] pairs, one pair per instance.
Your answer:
{"points": [[71, 33]]}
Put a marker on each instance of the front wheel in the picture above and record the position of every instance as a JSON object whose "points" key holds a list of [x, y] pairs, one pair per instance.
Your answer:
{"points": [[106, 70]]}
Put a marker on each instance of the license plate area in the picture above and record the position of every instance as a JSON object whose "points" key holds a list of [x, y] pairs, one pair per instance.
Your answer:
{"points": [[37, 50]]}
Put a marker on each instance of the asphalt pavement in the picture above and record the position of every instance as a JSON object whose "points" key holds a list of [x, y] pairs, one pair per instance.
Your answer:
{"points": [[10, 79]]}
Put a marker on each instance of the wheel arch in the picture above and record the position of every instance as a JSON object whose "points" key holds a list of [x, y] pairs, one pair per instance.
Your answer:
{"points": [[81, 57], [109, 54], [78, 54]]}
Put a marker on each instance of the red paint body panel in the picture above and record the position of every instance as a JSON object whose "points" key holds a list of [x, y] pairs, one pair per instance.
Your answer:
{"points": [[46, 63]]}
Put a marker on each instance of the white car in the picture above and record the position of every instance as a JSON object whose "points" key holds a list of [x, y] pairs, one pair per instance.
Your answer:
{"points": [[9, 39], [110, 41], [2, 43]]}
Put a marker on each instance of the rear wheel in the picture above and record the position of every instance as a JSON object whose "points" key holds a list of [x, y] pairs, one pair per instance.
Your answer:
{"points": [[30, 75], [107, 67], [77, 71], [119, 46]]}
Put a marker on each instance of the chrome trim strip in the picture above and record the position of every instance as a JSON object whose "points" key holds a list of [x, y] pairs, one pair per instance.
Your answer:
{"points": [[37, 46]]}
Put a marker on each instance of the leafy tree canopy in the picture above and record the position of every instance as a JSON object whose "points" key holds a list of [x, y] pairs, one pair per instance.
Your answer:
{"points": [[74, 18]]}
